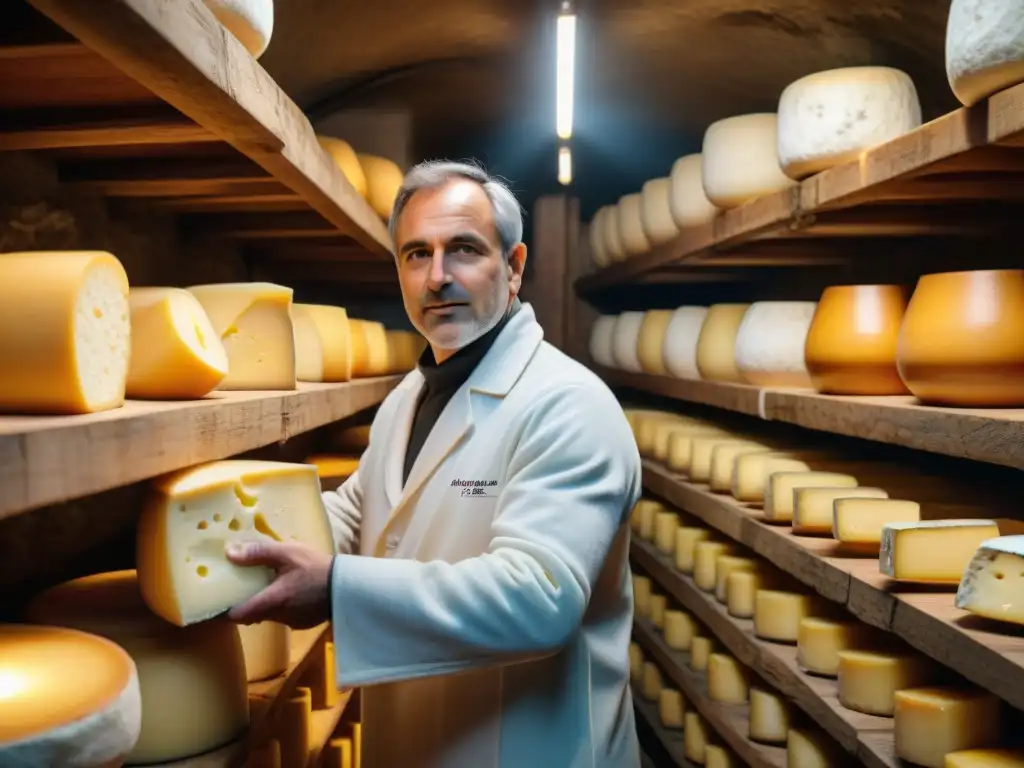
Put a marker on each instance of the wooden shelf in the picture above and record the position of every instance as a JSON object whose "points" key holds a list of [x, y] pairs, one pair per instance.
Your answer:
{"points": [[987, 653], [49, 459], [958, 174], [993, 436], [322, 726], [671, 739], [776, 664]]}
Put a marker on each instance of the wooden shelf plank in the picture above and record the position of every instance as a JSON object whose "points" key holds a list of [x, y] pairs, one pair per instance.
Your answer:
{"points": [[994, 436], [43, 458], [671, 739], [323, 723], [987, 653]]}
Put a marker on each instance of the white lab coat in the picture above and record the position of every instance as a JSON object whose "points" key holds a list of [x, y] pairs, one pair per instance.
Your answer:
{"points": [[487, 613]]}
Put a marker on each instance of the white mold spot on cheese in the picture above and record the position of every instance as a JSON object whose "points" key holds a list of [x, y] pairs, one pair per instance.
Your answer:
{"points": [[984, 47]]}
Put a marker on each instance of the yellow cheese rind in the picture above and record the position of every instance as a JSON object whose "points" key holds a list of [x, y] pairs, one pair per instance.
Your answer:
{"points": [[383, 180], [636, 663], [985, 758], [932, 551], [345, 158], [723, 460], [701, 649], [769, 717], [680, 445], [860, 521], [702, 448], [778, 495], [333, 336], [742, 587], [932, 722], [369, 348], [869, 679], [266, 647], [695, 738], [806, 748], [820, 640], [777, 614], [705, 558], [657, 610], [727, 679], [716, 756], [671, 708], [665, 526], [404, 350], [687, 539], [680, 629], [334, 467], [725, 566], [641, 595], [652, 683], [752, 470], [813, 507], [652, 338]]}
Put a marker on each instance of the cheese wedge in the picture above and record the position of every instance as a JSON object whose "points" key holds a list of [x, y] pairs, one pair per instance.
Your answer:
{"points": [[723, 460], [695, 738], [860, 521], [807, 748], [932, 722], [705, 558], [868, 680], [727, 679], [687, 539], [813, 507], [778, 494], [769, 717], [985, 758], [330, 326], [821, 639], [933, 551], [752, 470], [991, 585], [671, 708], [725, 566]]}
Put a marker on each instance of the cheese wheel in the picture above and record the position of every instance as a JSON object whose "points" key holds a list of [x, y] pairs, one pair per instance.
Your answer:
{"points": [[680, 348], [333, 337], [309, 351], [869, 680], [404, 350], [251, 21], [820, 641], [665, 526], [383, 180], [345, 158], [984, 48], [652, 683], [292, 727], [641, 595], [695, 737], [688, 537], [727, 679], [830, 118], [929, 723], [65, 336], [705, 562], [778, 492], [725, 566], [613, 236], [656, 211], [352, 439], [860, 521], [266, 648], [679, 628], [636, 663], [626, 341], [657, 610], [740, 160], [671, 708], [652, 339], [598, 242], [806, 748], [67, 698], [368, 340], [254, 323], [701, 649], [813, 507], [770, 343], [190, 516], [602, 341], [723, 461], [716, 345], [631, 225], [192, 680], [777, 614], [716, 756], [769, 717], [687, 200]]}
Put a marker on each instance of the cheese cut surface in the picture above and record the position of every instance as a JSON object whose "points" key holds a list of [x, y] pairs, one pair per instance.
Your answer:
{"points": [[860, 521], [330, 326], [806, 748], [687, 539], [345, 159], [933, 551], [716, 346], [190, 516], [820, 640], [813, 507], [701, 649], [671, 708], [868, 680], [602, 341], [625, 339], [254, 323], [993, 582], [705, 562], [652, 340], [723, 460], [770, 343], [652, 682], [831, 117], [779, 498], [67, 698], [985, 758], [680, 629], [740, 160], [687, 200], [725, 566], [695, 737], [656, 211], [266, 647], [251, 21], [751, 472], [64, 332], [932, 722], [631, 226], [665, 526], [769, 717], [984, 48], [727, 679], [383, 180], [175, 353], [777, 614], [680, 347]]}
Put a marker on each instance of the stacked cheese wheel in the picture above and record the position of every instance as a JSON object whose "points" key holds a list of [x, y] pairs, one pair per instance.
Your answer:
{"points": [[375, 178]]}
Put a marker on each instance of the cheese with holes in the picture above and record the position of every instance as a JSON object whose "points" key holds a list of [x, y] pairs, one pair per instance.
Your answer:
{"points": [[254, 323], [806, 748], [656, 211], [860, 521], [652, 340], [723, 460], [716, 756], [869, 679], [725, 566], [613, 235], [985, 758], [701, 649], [266, 647], [602, 341], [652, 684], [67, 698], [813, 507], [383, 180], [641, 595], [680, 629], [671, 708], [770, 343], [65, 337], [695, 737], [251, 21], [751, 472], [686, 198], [740, 160], [821, 639], [769, 717], [330, 325], [636, 663], [687, 539], [657, 610], [192, 680], [778, 492], [680, 348], [369, 345], [830, 118], [598, 245], [191, 515], [631, 226], [625, 341], [991, 583], [176, 354], [665, 526], [346, 160], [932, 722], [727, 679], [934, 551], [716, 345], [984, 48], [705, 562], [777, 614]]}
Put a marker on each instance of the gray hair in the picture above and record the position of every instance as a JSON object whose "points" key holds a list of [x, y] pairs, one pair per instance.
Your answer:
{"points": [[508, 214]]}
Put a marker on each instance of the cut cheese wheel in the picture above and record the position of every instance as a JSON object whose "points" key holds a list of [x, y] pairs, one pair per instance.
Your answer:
{"points": [[723, 462], [671, 708], [984, 48], [701, 649], [716, 345], [665, 526], [680, 629], [830, 118], [777, 614], [641, 595], [806, 748], [820, 640], [251, 21], [631, 226], [383, 180], [656, 211], [652, 339], [67, 698], [636, 663], [991, 583], [657, 610], [860, 521], [716, 756], [687, 200], [985, 758], [191, 515], [266, 647], [752, 470], [725, 566], [192, 680], [705, 560], [625, 339], [596, 233], [680, 347], [687, 539], [932, 722], [813, 507], [695, 738], [869, 679], [778, 493], [602, 341], [741, 160], [727, 679], [345, 158], [652, 684], [932, 551], [770, 343], [333, 334], [769, 717], [254, 323], [613, 235], [65, 335], [369, 348]]}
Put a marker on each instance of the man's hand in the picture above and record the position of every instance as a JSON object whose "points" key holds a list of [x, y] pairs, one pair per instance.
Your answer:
{"points": [[298, 595]]}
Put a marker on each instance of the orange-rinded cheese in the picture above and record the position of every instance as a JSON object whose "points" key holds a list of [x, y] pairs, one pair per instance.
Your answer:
{"points": [[64, 332], [345, 158], [309, 352], [930, 723], [383, 180], [331, 326], [778, 493]]}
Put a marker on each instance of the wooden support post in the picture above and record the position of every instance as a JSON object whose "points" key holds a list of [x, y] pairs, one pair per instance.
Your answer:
{"points": [[548, 282]]}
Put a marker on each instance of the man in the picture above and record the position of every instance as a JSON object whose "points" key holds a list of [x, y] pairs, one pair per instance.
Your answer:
{"points": [[481, 594]]}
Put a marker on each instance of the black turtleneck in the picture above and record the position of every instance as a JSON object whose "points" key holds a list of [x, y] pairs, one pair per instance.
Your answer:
{"points": [[441, 381]]}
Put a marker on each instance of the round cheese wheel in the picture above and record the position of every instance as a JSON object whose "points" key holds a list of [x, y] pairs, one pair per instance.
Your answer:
{"points": [[266, 648], [631, 225], [192, 679], [251, 21], [613, 235], [984, 47], [369, 348], [602, 341], [404, 350], [625, 340], [831, 117], [687, 200], [770, 343], [652, 340], [345, 158], [383, 180], [656, 213], [741, 160], [680, 349], [716, 347], [598, 241], [67, 698]]}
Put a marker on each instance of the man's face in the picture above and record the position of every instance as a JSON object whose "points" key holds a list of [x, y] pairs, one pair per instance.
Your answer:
{"points": [[456, 282]]}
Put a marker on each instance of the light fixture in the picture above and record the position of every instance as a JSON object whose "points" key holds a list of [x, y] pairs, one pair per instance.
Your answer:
{"points": [[565, 61], [564, 166]]}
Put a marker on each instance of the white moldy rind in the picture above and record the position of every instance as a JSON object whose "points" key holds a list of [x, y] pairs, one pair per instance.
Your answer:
{"points": [[625, 338], [984, 47], [631, 227], [770, 343], [602, 341], [985, 555], [830, 117]]}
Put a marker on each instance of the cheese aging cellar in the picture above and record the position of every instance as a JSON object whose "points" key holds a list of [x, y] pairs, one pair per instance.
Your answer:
{"points": [[512, 384]]}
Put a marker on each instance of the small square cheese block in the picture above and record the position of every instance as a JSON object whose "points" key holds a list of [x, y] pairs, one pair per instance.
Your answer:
{"points": [[657, 610], [820, 640], [778, 495], [176, 353], [331, 335], [806, 748], [993, 582], [934, 551], [641, 596], [266, 647], [860, 521], [701, 649], [985, 758], [191, 515], [687, 539], [671, 707], [742, 587], [752, 470], [680, 445], [695, 738], [65, 334], [777, 614], [727, 679], [665, 526], [652, 682], [680, 629], [868, 680], [769, 717], [636, 663], [701, 451], [369, 344], [725, 566], [932, 722], [723, 462], [813, 507], [705, 556]]}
